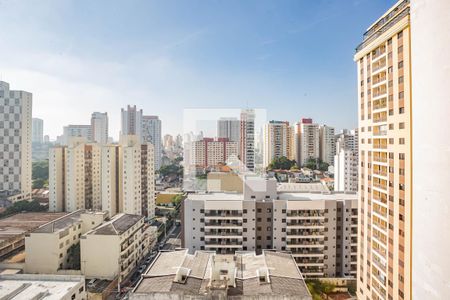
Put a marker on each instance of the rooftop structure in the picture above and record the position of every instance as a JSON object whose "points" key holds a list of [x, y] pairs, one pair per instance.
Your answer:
{"points": [[14, 228], [204, 274], [312, 187], [118, 225], [44, 287]]}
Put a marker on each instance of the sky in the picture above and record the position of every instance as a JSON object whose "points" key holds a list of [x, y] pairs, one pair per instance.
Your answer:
{"points": [[292, 58]]}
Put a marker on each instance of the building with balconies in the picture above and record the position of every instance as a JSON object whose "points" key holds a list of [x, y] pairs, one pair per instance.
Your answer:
{"points": [[114, 248], [319, 229]]}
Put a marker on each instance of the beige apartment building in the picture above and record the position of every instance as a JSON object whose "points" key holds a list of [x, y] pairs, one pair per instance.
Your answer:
{"points": [[48, 247], [319, 229], [384, 87], [278, 141], [113, 177], [307, 139], [116, 246]]}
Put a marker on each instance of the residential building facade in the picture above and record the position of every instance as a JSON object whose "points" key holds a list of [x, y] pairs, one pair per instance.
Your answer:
{"points": [[278, 141], [210, 152], [71, 131], [320, 230], [247, 138], [151, 133], [15, 143], [49, 247], [346, 171], [114, 248], [99, 124], [327, 144], [37, 131], [384, 75], [307, 135], [131, 121], [229, 128]]}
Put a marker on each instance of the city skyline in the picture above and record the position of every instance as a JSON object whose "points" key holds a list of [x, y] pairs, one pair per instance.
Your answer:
{"points": [[277, 58]]}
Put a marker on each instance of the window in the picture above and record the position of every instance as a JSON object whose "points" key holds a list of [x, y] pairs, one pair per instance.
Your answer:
{"points": [[401, 95], [400, 35], [401, 125], [400, 64], [389, 42], [400, 49], [401, 110], [400, 79], [401, 141]]}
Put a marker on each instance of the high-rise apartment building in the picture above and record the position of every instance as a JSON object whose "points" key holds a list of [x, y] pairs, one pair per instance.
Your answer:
{"points": [[229, 128], [346, 171], [169, 143], [151, 133], [131, 121], [278, 141], [71, 131], [384, 90], [307, 136], [320, 230], [99, 124], [114, 178], [37, 131], [247, 138], [15, 143], [347, 139], [327, 144], [210, 152]]}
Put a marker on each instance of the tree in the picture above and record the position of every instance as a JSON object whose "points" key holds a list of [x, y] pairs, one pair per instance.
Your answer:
{"points": [[282, 163], [316, 164], [39, 172], [21, 206]]}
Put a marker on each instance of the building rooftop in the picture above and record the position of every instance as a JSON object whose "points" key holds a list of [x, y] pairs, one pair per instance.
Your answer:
{"points": [[317, 187], [117, 225], [65, 221], [12, 226], [240, 276], [216, 196], [27, 286], [318, 196]]}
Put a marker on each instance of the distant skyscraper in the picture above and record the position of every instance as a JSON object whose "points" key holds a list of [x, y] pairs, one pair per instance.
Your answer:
{"points": [[169, 143], [384, 111], [70, 131], [38, 131], [131, 121], [99, 123], [346, 161], [228, 128], [15, 143], [278, 141], [151, 133], [307, 137], [327, 144], [247, 138]]}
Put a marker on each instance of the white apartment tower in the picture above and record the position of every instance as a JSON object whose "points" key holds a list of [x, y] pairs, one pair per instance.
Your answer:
{"points": [[38, 131], [151, 133], [346, 171], [15, 143], [307, 136], [327, 144], [99, 124], [247, 138], [278, 141]]}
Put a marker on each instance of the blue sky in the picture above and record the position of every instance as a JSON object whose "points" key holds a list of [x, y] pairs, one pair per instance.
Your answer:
{"points": [[293, 58]]}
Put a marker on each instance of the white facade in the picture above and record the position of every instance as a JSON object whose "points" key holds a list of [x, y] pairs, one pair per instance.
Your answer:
{"points": [[430, 45], [15, 143], [151, 133], [319, 229], [346, 171], [99, 124], [38, 131], [327, 144], [70, 131]]}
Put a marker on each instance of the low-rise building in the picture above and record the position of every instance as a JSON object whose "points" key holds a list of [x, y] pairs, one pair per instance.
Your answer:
{"points": [[116, 246], [48, 248], [14, 228], [207, 275], [319, 229], [33, 286]]}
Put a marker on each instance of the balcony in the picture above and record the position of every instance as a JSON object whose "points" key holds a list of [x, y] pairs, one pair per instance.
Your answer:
{"points": [[221, 224], [382, 159]]}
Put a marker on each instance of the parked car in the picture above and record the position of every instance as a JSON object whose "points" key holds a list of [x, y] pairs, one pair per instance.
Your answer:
{"points": [[142, 268]]}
